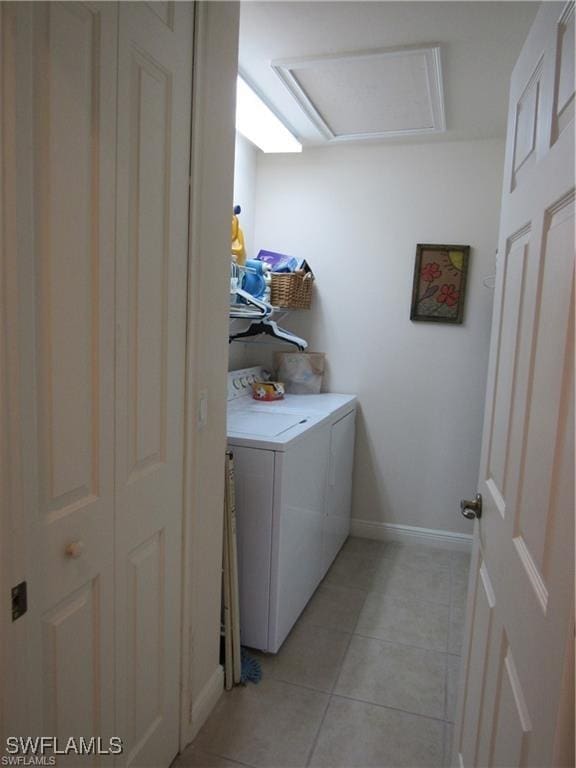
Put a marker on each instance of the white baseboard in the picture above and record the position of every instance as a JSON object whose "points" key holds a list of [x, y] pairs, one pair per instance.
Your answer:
{"points": [[411, 534], [205, 703]]}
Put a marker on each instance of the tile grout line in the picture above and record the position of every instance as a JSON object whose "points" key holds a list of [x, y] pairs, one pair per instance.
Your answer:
{"points": [[334, 684], [330, 694], [444, 740], [411, 599], [383, 593], [364, 701], [317, 735], [444, 719], [439, 720], [345, 654], [425, 602], [450, 605], [405, 645], [444, 734], [216, 754], [447, 747], [446, 687], [354, 633]]}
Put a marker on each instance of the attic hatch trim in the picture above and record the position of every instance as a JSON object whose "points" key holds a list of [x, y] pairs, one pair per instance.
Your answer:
{"points": [[285, 70]]}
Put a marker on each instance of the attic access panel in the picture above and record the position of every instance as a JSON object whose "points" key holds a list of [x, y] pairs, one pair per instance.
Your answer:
{"points": [[369, 95]]}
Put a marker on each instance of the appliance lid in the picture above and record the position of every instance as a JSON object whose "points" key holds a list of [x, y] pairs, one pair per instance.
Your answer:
{"points": [[263, 424]]}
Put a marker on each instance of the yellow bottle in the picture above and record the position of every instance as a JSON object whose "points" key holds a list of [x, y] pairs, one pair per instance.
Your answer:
{"points": [[238, 248]]}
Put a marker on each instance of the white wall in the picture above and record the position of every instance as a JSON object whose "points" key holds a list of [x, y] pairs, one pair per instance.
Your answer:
{"points": [[356, 213], [245, 161], [245, 188]]}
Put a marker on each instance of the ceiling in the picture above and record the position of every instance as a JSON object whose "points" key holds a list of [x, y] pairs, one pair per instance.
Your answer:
{"points": [[326, 84]]}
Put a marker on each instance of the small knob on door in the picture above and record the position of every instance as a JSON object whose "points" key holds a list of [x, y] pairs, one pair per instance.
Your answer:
{"points": [[74, 549], [472, 508]]}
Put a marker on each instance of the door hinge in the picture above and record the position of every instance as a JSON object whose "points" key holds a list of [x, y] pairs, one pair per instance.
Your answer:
{"points": [[19, 600]]}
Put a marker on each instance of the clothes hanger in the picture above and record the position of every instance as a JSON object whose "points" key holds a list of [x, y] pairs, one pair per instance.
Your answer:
{"points": [[259, 312], [251, 307], [269, 327]]}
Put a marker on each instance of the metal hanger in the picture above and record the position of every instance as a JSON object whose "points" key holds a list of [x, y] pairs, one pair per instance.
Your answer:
{"points": [[271, 328]]}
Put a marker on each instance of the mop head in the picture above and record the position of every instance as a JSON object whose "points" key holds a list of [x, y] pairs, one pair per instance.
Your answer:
{"points": [[251, 669]]}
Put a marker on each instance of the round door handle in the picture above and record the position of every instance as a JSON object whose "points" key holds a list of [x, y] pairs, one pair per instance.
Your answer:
{"points": [[74, 549], [472, 508]]}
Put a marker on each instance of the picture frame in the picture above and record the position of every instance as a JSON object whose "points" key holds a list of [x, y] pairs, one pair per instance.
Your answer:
{"points": [[439, 286]]}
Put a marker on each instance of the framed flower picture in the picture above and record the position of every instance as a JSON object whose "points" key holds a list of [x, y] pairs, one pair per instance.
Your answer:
{"points": [[440, 283]]}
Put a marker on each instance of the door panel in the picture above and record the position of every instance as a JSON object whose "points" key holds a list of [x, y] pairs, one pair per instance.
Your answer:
{"points": [[511, 719], [509, 353], [164, 11], [545, 383], [67, 263], [564, 81], [154, 101], [145, 626], [519, 612], [68, 60], [528, 111], [151, 109], [66, 102], [71, 664]]}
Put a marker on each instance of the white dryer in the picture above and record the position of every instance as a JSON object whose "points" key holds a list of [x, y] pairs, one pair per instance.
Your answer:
{"points": [[293, 465]]}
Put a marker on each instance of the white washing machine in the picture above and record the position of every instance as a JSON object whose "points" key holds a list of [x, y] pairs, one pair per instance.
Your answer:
{"points": [[293, 463]]}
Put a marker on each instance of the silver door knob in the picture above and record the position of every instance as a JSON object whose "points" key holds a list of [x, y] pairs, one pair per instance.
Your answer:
{"points": [[472, 508]]}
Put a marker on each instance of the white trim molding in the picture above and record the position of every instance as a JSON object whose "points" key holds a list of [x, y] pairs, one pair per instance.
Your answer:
{"points": [[211, 199], [412, 535], [287, 71], [203, 704]]}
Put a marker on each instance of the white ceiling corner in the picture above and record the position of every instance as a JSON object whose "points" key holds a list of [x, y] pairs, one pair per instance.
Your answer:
{"points": [[376, 94]]}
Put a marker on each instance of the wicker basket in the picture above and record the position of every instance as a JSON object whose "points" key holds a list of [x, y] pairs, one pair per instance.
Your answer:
{"points": [[291, 291]]}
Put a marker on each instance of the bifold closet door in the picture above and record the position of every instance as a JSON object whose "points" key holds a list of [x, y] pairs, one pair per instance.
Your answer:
{"points": [[62, 448], [101, 95], [154, 101]]}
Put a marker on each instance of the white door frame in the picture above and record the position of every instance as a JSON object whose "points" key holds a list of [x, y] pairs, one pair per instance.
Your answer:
{"points": [[211, 199]]}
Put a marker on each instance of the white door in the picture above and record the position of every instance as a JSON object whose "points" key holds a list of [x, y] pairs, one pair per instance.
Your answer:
{"points": [[519, 628], [154, 102], [62, 335], [97, 262]]}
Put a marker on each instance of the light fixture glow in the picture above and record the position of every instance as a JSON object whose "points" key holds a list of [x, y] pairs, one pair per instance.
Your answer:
{"points": [[259, 124]]}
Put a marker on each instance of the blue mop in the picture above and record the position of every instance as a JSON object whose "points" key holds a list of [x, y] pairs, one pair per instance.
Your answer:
{"points": [[251, 669]]}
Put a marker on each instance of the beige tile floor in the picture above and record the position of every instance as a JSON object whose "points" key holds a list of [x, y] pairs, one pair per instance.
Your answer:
{"points": [[366, 679]]}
